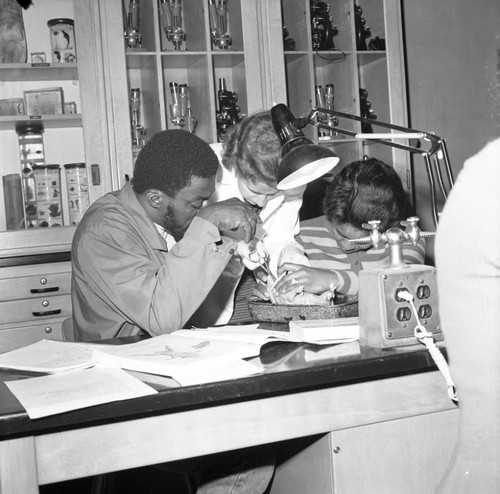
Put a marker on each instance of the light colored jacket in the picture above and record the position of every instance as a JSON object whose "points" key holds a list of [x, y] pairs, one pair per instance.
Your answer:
{"points": [[124, 281]]}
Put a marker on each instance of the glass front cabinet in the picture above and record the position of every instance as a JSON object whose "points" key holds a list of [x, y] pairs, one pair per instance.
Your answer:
{"points": [[347, 55], [101, 77], [56, 157]]}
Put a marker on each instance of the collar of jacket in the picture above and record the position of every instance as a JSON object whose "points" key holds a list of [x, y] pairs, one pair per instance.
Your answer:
{"points": [[144, 223]]}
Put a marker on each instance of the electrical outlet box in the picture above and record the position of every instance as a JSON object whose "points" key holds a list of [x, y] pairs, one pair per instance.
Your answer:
{"points": [[385, 320]]}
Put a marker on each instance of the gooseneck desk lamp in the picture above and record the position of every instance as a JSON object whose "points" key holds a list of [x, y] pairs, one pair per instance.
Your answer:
{"points": [[302, 161]]}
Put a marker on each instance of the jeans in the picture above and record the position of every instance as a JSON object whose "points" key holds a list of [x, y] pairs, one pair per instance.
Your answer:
{"points": [[247, 471]]}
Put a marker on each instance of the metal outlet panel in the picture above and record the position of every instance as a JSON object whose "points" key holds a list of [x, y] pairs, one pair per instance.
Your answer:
{"points": [[385, 319]]}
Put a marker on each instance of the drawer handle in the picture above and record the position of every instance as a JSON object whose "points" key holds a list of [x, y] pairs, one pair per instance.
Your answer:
{"points": [[44, 290], [47, 313]]}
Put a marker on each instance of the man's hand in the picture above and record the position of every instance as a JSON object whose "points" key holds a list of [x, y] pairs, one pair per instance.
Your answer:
{"points": [[232, 214]]}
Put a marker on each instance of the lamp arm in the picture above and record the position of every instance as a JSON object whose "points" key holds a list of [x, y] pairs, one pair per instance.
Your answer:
{"points": [[435, 141], [437, 150]]}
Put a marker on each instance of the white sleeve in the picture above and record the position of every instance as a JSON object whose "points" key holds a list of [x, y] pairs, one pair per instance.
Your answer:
{"points": [[281, 224]]}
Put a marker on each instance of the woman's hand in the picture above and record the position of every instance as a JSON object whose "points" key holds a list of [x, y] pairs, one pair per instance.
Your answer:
{"points": [[260, 291], [304, 278]]}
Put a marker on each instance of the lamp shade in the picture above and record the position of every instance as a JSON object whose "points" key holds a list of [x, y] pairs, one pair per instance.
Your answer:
{"points": [[301, 160]]}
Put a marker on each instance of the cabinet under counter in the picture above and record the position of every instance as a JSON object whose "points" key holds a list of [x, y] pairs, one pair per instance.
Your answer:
{"points": [[35, 299]]}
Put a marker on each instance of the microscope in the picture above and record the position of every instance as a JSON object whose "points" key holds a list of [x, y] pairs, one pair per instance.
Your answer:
{"points": [[322, 29], [367, 112], [362, 30], [138, 131], [180, 110], [228, 112], [387, 317], [218, 24], [132, 35], [325, 99], [170, 14]]}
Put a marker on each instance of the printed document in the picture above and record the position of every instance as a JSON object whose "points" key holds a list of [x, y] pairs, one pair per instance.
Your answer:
{"points": [[188, 360], [57, 393], [50, 356]]}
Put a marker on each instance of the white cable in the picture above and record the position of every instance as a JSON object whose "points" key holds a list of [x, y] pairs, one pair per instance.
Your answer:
{"points": [[426, 337]]}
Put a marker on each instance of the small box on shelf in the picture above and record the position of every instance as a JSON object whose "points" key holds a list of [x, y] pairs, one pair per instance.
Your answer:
{"points": [[70, 108], [11, 107], [46, 101]]}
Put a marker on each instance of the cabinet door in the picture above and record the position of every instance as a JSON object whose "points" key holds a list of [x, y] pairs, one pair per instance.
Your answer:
{"points": [[188, 65], [349, 60], [408, 455], [65, 108]]}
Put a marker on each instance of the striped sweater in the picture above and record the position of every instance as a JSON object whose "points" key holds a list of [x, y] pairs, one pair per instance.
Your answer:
{"points": [[324, 252]]}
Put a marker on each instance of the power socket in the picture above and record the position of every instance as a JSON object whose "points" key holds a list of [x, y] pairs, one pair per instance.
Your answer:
{"points": [[387, 321]]}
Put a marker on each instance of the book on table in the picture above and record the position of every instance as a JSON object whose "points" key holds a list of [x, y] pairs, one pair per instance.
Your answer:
{"points": [[336, 330]]}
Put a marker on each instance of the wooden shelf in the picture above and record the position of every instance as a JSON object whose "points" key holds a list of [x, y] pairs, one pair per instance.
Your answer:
{"points": [[48, 121], [38, 72]]}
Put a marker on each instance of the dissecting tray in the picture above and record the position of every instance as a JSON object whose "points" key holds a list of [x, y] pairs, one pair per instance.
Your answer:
{"points": [[262, 311]]}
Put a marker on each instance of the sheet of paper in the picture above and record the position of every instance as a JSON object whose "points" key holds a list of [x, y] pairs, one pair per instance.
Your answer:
{"points": [[249, 333], [57, 393], [50, 356], [348, 349], [187, 360], [214, 370]]}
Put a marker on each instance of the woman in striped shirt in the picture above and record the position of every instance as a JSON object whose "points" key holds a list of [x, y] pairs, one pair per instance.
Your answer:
{"points": [[364, 190]]}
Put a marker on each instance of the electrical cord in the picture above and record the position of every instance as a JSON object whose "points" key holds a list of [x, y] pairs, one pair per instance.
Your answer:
{"points": [[425, 337], [334, 60]]}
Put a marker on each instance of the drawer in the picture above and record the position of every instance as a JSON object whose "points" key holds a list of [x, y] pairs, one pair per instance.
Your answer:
{"points": [[22, 282], [17, 337], [35, 309]]}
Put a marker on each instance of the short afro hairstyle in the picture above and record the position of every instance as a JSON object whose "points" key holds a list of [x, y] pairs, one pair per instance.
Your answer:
{"points": [[366, 190], [170, 159], [252, 149]]}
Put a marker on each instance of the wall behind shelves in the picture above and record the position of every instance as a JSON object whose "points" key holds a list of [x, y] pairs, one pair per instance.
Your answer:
{"points": [[453, 74]]}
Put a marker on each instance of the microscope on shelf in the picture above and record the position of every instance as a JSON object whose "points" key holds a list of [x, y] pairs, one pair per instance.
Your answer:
{"points": [[323, 30], [367, 112], [325, 99], [396, 298], [132, 34], [362, 30], [138, 131], [171, 18], [218, 24], [229, 112], [180, 109]]}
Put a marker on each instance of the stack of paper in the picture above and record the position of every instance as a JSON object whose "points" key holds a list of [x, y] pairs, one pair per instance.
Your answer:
{"points": [[189, 360], [338, 330], [85, 374], [50, 356]]}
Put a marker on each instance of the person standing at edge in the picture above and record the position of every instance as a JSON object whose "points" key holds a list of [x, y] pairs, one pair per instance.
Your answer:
{"points": [[468, 275]]}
